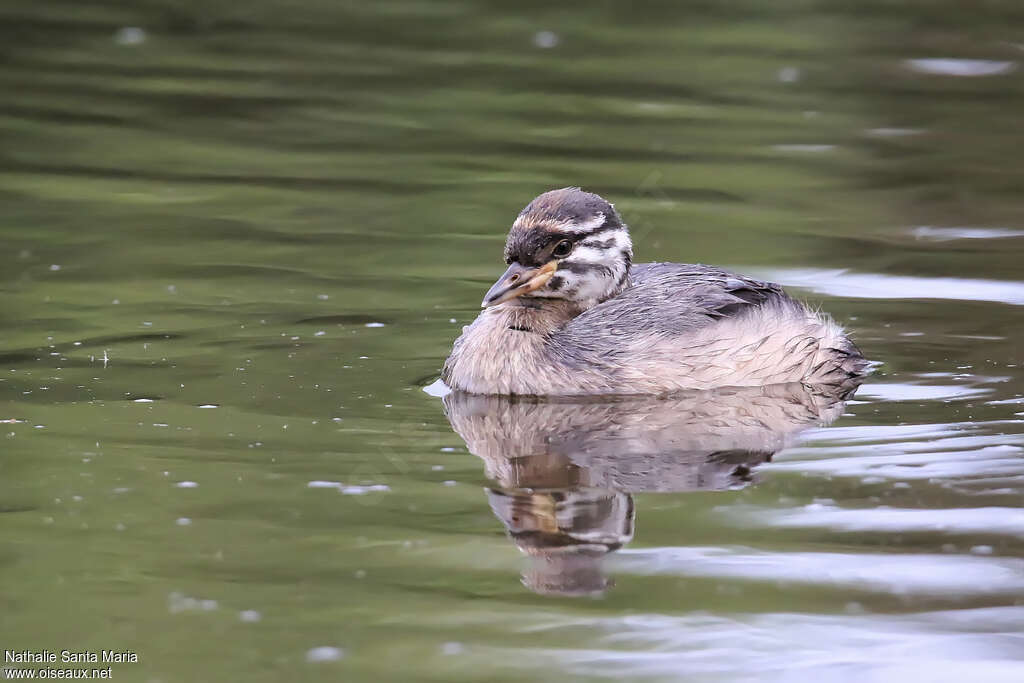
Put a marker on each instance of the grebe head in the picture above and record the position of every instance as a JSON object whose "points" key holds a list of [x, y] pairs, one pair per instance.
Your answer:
{"points": [[566, 244]]}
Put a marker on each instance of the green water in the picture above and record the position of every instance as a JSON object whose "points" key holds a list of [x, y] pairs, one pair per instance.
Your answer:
{"points": [[234, 249]]}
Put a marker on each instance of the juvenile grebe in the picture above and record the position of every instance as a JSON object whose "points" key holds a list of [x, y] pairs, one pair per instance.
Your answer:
{"points": [[573, 315]]}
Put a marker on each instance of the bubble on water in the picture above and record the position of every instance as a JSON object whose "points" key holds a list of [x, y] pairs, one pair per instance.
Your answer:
{"points": [[449, 482], [321, 484], [545, 39], [789, 74], [249, 616], [374, 325], [179, 602], [54, 267], [363, 490], [183, 521], [452, 648], [323, 297], [981, 550], [130, 35], [803, 148], [360, 574], [208, 405], [187, 485], [319, 333], [437, 468], [894, 132], [324, 653]]}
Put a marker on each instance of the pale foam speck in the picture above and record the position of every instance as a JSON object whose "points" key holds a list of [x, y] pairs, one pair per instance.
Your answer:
{"points": [[545, 39], [324, 653], [803, 148], [130, 35]]}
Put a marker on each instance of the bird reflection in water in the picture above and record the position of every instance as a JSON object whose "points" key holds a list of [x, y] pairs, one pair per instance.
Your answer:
{"points": [[566, 472]]}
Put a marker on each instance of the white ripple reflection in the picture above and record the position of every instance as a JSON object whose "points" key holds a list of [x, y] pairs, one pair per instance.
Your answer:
{"points": [[963, 575], [925, 464], [948, 66], [995, 521], [956, 456], [928, 232], [918, 392], [842, 282], [939, 647], [868, 433]]}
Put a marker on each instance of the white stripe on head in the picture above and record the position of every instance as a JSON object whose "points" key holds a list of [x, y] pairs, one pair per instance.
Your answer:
{"points": [[578, 227], [601, 247], [583, 254]]}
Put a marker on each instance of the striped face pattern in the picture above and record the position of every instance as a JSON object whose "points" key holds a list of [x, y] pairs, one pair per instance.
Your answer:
{"points": [[580, 233]]}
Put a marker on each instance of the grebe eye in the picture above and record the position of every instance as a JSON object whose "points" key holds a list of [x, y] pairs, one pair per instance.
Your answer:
{"points": [[562, 249]]}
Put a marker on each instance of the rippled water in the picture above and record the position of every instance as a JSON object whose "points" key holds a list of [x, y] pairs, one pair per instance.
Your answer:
{"points": [[238, 242]]}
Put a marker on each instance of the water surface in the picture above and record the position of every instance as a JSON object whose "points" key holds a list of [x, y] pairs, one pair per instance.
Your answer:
{"points": [[238, 241]]}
